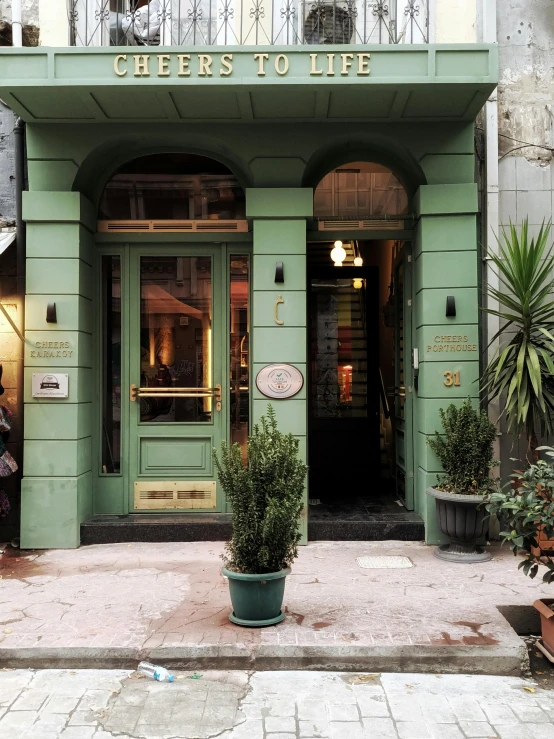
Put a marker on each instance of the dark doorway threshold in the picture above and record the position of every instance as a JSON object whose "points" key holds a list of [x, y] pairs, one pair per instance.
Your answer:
{"points": [[156, 527], [371, 518]]}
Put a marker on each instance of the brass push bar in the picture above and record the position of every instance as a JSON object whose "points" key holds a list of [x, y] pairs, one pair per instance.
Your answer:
{"points": [[177, 392]]}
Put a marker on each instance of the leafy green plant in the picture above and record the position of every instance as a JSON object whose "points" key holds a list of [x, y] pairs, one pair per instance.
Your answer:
{"points": [[465, 450], [523, 367], [525, 507], [266, 497]]}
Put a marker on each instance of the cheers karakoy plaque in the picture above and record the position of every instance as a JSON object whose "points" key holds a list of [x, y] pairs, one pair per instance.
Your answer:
{"points": [[279, 381]]}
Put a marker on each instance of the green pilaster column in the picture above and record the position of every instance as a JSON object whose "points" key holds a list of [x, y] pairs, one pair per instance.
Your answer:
{"points": [[445, 264], [57, 478], [279, 216]]}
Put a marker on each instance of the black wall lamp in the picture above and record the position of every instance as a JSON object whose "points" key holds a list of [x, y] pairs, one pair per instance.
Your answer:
{"points": [[51, 316], [279, 272], [450, 306]]}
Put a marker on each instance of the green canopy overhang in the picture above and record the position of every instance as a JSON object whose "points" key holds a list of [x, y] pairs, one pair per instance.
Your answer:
{"points": [[380, 83]]}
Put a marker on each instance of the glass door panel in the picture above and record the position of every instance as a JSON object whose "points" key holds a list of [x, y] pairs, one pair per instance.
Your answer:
{"points": [[178, 355]]}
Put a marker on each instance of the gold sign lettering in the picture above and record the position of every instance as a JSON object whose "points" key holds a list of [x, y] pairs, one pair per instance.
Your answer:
{"points": [[261, 58], [203, 65], [226, 60], [450, 343], [117, 70], [452, 378], [141, 65]]}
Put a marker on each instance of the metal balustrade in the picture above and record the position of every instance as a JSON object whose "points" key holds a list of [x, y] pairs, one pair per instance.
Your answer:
{"points": [[247, 22]]}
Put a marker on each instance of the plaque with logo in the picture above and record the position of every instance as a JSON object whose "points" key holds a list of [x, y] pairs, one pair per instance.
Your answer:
{"points": [[279, 381], [50, 385]]}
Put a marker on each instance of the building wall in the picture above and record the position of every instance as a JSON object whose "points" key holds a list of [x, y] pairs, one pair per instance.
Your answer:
{"points": [[525, 116]]}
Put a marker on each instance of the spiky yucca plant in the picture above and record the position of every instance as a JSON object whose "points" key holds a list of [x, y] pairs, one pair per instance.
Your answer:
{"points": [[266, 496], [523, 367]]}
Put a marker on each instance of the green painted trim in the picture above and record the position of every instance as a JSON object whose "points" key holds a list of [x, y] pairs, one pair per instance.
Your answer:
{"points": [[279, 202], [59, 207], [446, 199]]}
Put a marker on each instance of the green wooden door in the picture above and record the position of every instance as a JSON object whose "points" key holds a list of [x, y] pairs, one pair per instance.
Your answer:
{"points": [[178, 348], [404, 378]]}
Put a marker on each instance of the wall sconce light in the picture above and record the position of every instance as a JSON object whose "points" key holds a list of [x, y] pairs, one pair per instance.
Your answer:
{"points": [[357, 283], [51, 316], [279, 272], [338, 254], [450, 306], [358, 262]]}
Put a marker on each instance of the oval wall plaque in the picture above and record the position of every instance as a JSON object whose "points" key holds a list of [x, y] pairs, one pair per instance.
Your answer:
{"points": [[279, 381]]}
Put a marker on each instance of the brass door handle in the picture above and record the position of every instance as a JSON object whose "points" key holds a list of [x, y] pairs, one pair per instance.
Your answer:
{"points": [[176, 392], [276, 311]]}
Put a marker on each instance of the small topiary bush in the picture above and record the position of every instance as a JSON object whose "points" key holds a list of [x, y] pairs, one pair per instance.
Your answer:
{"points": [[266, 497], [465, 450]]}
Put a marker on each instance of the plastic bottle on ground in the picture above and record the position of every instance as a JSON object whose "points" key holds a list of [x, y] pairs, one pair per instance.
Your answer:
{"points": [[156, 672]]}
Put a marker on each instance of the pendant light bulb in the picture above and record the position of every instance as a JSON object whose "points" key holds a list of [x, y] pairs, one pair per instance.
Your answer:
{"points": [[358, 261], [338, 254], [357, 283]]}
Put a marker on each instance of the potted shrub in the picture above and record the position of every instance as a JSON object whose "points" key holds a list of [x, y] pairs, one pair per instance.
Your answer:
{"points": [[266, 495], [525, 509], [465, 451]]}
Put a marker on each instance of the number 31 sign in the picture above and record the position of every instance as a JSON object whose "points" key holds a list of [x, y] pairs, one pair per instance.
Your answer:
{"points": [[452, 378]]}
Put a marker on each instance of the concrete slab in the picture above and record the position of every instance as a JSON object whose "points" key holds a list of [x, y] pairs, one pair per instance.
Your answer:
{"points": [[111, 605]]}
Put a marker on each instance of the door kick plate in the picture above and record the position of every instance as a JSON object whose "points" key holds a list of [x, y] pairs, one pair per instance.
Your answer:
{"points": [[175, 494]]}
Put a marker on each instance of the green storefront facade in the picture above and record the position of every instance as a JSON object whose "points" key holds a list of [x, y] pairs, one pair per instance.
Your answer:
{"points": [[280, 122]]}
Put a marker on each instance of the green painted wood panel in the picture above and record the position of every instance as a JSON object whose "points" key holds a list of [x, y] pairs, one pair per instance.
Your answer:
{"points": [[111, 496], [52, 509], [442, 169], [58, 349], [51, 175], [58, 241], [60, 458], [59, 277], [443, 343], [60, 207], [449, 269], [80, 385], [447, 233], [277, 202], [426, 456], [292, 310], [280, 237], [294, 268], [432, 378], [428, 507], [279, 344], [56, 421], [430, 307], [291, 414], [437, 199], [73, 312]]}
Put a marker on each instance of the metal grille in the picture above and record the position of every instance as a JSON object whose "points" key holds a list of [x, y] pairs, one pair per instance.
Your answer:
{"points": [[171, 226], [391, 562], [174, 494], [242, 22]]}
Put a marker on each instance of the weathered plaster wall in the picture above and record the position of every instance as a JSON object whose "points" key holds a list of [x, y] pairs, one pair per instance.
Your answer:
{"points": [[525, 116]]}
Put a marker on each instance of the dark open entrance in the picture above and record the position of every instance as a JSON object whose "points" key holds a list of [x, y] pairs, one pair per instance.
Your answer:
{"points": [[356, 375]]}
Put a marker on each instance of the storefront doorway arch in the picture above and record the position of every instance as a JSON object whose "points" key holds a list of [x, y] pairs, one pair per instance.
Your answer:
{"points": [[360, 303]]}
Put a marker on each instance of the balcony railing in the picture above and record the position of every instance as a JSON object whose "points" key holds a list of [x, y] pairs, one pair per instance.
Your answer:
{"points": [[247, 22]]}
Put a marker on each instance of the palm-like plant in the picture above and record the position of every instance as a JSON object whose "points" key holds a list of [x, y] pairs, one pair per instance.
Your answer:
{"points": [[523, 368]]}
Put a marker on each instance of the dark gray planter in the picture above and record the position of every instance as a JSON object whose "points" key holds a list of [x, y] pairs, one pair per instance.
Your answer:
{"points": [[462, 519]]}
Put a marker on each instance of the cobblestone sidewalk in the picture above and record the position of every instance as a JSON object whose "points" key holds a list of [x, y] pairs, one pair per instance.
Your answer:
{"points": [[101, 704]]}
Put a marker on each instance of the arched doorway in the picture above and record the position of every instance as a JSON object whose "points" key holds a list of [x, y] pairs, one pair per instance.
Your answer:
{"points": [[357, 289], [173, 362]]}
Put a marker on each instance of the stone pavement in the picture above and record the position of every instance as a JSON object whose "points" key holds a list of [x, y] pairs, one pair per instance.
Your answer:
{"points": [[110, 605], [104, 704]]}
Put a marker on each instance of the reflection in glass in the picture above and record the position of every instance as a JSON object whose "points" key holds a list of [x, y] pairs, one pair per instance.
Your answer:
{"points": [[111, 364], [240, 320], [173, 187], [360, 190], [338, 338], [175, 335]]}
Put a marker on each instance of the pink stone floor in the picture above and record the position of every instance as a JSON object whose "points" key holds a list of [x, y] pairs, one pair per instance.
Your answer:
{"points": [[147, 596]]}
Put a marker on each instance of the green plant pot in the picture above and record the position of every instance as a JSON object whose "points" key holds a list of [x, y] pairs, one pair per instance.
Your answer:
{"points": [[256, 599]]}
